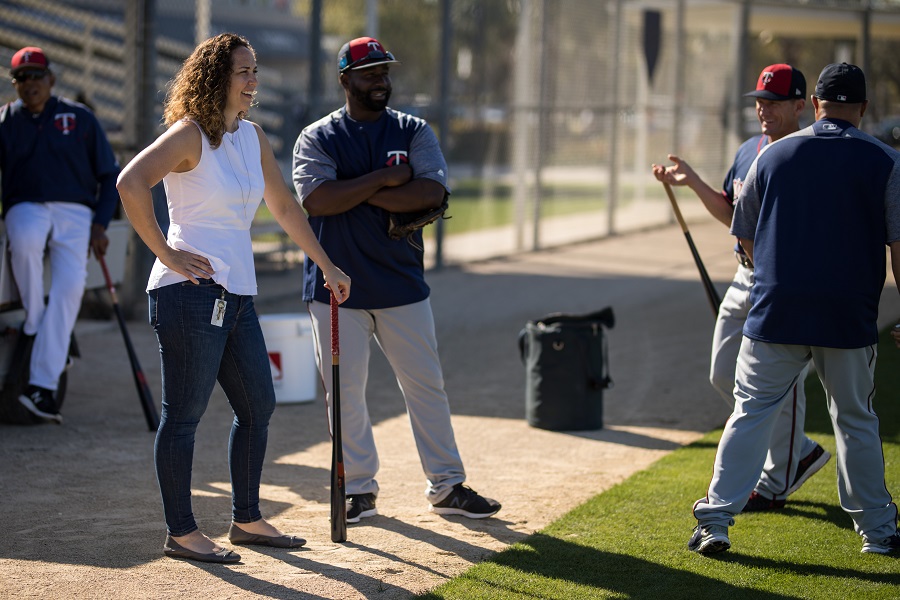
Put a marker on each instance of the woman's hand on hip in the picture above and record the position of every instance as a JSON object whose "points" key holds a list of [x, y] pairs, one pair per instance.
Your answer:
{"points": [[193, 266]]}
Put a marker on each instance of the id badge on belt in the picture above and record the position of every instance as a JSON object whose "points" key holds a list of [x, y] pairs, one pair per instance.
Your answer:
{"points": [[218, 313]]}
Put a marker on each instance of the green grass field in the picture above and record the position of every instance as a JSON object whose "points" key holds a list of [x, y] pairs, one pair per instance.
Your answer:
{"points": [[630, 542], [475, 205]]}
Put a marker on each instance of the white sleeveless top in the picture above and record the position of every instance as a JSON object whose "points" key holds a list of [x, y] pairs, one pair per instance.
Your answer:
{"points": [[211, 208]]}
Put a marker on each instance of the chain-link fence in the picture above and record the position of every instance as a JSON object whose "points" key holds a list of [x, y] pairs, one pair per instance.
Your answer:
{"points": [[550, 112]]}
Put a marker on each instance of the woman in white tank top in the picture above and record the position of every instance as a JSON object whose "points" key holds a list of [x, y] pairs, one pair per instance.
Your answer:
{"points": [[216, 168]]}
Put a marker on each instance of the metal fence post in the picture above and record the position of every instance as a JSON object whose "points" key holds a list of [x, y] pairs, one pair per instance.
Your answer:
{"points": [[140, 21], [444, 116]]}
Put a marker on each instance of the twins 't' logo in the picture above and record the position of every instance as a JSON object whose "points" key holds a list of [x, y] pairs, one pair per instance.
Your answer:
{"points": [[397, 157], [65, 122], [767, 77]]}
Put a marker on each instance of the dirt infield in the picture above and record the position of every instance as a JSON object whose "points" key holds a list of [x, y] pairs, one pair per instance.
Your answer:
{"points": [[83, 513]]}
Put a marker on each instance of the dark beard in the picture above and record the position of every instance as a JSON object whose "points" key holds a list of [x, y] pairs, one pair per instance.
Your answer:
{"points": [[370, 104]]}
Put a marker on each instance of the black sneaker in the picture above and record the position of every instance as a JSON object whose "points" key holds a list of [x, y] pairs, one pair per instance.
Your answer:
{"points": [[808, 466], [360, 506], [888, 545], [709, 539], [39, 402], [465, 501], [759, 503]]}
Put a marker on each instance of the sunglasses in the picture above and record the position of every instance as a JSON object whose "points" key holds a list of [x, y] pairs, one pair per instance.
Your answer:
{"points": [[30, 75], [373, 55]]}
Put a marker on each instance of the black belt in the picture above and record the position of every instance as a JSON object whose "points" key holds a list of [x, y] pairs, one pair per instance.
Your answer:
{"points": [[744, 260]]}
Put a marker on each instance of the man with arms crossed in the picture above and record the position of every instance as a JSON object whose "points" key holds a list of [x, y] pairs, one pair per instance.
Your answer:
{"points": [[350, 169]]}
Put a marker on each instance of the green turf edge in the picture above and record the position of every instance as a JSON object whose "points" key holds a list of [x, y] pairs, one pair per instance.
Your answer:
{"points": [[630, 541]]}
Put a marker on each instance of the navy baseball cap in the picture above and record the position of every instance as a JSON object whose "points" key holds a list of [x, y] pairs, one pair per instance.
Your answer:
{"points": [[842, 83], [29, 57], [780, 82], [363, 53]]}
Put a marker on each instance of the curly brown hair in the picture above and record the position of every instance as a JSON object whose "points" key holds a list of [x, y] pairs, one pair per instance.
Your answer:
{"points": [[199, 90]]}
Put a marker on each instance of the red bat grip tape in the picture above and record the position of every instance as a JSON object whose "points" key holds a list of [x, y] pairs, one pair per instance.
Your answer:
{"points": [[335, 338]]}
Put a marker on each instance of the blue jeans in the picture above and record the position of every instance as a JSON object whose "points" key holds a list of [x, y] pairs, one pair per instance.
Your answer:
{"points": [[194, 355]]}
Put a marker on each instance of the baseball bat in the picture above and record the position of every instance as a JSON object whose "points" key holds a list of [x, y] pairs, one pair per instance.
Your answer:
{"points": [[711, 294], [338, 489], [140, 381]]}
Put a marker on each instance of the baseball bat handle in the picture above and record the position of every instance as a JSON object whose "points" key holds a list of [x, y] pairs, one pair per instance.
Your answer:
{"points": [[335, 334], [109, 284], [675, 208]]}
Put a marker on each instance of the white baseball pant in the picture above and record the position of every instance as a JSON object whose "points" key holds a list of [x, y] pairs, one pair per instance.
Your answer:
{"points": [[64, 230]]}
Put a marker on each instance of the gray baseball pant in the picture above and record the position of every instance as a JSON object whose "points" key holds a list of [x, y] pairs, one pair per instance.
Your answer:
{"points": [[765, 375], [406, 336], [789, 441]]}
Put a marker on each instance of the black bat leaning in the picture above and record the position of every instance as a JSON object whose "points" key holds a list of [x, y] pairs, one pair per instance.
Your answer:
{"points": [[140, 381], [338, 489], [711, 294]]}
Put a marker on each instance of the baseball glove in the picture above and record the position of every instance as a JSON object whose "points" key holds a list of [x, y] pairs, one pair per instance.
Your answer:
{"points": [[404, 225]]}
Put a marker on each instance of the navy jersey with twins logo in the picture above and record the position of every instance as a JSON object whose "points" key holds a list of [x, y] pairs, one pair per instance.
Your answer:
{"points": [[819, 281], [58, 155], [385, 272]]}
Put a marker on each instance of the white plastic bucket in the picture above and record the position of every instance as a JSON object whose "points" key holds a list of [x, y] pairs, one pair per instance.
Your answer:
{"points": [[291, 350]]}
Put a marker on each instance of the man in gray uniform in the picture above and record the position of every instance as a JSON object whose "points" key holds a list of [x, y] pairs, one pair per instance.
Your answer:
{"points": [[793, 457], [844, 186]]}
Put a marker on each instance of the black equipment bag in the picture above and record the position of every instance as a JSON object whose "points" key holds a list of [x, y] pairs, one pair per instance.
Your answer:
{"points": [[566, 370]]}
